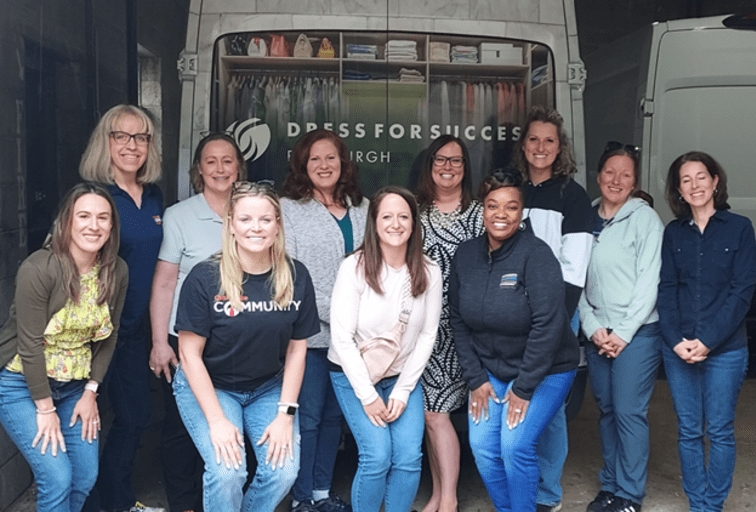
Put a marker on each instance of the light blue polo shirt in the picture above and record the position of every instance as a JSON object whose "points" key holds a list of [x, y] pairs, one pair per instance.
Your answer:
{"points": [[192, 232]]}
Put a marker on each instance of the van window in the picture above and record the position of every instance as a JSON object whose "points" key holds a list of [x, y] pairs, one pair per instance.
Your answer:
{"points": [[387, 94]]}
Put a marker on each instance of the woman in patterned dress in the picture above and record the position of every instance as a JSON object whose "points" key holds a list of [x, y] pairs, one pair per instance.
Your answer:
{"points": [[449, 216]]}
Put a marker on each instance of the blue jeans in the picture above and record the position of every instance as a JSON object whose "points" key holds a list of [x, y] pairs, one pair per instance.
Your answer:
{"points": [[128, 386], [251, 412], [622, 388], [389, 458], [552, 449], [506, 459], [705, 395], [320, 422], [64, 481]]}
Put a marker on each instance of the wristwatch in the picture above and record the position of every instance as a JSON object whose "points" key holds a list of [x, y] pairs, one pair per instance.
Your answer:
{"points": [[287, 408]]}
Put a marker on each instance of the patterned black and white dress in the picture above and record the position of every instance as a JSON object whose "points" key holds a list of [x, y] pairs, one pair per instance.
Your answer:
{"points": [[443, 387]]}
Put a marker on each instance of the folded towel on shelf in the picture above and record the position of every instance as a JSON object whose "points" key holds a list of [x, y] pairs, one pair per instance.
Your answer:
{"points": [[461, 54], [411, 76], [438, 51]]}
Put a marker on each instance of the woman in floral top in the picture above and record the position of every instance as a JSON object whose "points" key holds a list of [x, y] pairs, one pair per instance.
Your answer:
{"points": [[57, 343]]}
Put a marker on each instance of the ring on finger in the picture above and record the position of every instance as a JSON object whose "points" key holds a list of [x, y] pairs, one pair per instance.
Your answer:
{"points": [[474, 404], [518, 411]]}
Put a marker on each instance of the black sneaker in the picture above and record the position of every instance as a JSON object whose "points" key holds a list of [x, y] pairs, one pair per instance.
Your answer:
{"points": [[601, 502], [623, 505], [304, 506], [540, 507], [332, 504]]}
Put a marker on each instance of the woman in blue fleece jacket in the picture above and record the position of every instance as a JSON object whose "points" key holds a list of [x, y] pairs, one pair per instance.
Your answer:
{"points": [[516, 349]]}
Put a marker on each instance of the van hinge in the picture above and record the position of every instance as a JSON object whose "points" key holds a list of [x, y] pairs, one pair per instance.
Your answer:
{"points": [[187, 65], [647, 107], [576, 74]]}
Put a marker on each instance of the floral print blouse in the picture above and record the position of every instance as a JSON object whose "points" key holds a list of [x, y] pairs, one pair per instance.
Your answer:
{"points": [[70, 332]]}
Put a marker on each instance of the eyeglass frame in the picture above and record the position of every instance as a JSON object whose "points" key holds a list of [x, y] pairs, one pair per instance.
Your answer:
{"points": [[614, 145], [115, 135], [448, 159], [267, 184]]}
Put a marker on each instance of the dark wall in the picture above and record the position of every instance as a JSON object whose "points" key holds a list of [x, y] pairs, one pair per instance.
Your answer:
{"points": [[64, 64]]}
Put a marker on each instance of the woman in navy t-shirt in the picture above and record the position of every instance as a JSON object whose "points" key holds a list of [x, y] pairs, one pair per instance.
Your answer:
{"points": [[243, 320]]}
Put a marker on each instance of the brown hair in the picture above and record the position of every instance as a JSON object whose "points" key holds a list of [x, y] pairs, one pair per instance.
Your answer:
{"points": [[298, 185], [59, 242], [426, 187], [672, 190], [370, 255], [231, 273], [564, 166], [96, 163], [621, 152], [195, 171]]}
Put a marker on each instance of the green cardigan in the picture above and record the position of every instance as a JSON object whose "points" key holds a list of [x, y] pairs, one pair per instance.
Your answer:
{"points": [[39, 295]]}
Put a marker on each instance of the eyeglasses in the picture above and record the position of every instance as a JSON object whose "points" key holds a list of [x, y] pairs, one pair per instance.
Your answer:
{"points": [[250, 186], [456, 161], [123, 138], [613, 145]]}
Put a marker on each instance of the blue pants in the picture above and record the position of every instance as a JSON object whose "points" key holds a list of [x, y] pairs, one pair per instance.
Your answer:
{"points": [[251, 412], [506, 459], [552, 449], [622, 388], [320, 422], [128, 385], [64, 481], [389, 457], [705, 395]]}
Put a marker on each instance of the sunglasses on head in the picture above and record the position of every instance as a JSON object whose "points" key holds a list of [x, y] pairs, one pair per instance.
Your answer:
{"points": [[614, 145], [247, 186]]}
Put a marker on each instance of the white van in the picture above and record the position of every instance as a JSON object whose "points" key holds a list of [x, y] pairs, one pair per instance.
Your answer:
{"points": [[397, 75], [675, 87]]}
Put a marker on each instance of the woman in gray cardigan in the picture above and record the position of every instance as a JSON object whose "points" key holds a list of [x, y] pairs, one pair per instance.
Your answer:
{"points": [[324, 219]]}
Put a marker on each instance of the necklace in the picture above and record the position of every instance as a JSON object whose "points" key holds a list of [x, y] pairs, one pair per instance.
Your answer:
{"points": [[443, 220]]}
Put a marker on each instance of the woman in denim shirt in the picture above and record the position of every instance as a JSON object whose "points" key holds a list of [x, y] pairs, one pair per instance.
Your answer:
{"points": [[707, 282]]}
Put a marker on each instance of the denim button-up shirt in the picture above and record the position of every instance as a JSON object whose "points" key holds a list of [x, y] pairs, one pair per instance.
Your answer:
{"points": [[707, 281]]}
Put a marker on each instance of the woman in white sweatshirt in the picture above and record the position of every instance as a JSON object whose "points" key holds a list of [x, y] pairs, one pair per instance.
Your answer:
{"points": [[387, 277]]}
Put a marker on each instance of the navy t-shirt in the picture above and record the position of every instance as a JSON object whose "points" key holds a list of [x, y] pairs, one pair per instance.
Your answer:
{"points": [[141, 236], [246, 348]]}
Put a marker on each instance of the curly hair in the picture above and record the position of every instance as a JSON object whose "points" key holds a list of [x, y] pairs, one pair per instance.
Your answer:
{"points": [[564, 166], [426, 187], [298, 185], [96, 164], [672, 190], [371, 256]]}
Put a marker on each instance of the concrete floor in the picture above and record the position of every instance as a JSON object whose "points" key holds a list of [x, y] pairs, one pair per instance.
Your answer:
{"points": [[580, 482]]}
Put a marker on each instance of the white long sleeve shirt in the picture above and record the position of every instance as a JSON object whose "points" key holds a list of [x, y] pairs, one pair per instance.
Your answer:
{"points": [[358, 309]]}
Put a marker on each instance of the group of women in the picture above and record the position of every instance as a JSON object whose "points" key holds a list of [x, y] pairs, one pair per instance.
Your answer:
{"points": [[289, 315]]}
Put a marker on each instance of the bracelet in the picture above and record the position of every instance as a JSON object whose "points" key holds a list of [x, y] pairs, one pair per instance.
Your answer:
{"points": [[91, 386], [47, 412]]}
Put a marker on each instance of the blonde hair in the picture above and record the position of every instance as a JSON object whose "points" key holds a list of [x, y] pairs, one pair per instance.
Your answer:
{"points": [[59, 242], [281, 281], [96, 163]]}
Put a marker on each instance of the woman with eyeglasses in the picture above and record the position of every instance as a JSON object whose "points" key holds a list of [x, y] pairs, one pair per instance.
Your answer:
{"points": [[449, 216], [193, 232], [243, 320], [57, 343], [559, 212], [324, 213], [708, 274], [387, 289], [517, 351], [618, 314], [123, 155]]}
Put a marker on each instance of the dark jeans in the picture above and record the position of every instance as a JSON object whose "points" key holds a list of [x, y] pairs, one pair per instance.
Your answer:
{"points": [[128, 386], [182, 464]]}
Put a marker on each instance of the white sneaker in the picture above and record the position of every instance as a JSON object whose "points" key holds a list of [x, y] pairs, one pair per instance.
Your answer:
{"points": [[138, 507]]}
